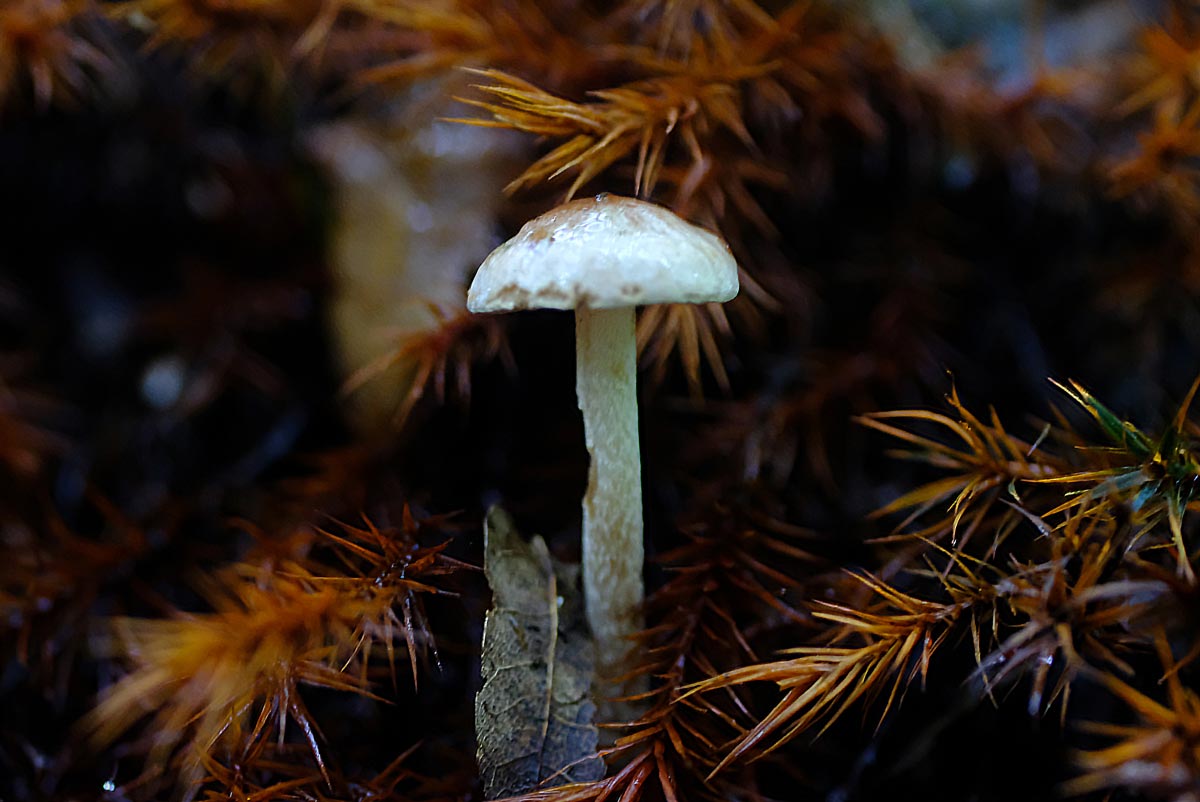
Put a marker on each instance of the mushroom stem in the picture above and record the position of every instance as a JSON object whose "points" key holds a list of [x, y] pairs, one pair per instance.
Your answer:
{"points": [[606, 383]]}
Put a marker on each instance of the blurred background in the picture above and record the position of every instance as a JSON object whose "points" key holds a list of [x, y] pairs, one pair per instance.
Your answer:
{"points": [[235, 237]]}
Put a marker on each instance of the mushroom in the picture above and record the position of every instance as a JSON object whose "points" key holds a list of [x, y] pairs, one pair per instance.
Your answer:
{"points": [[602, 257]]}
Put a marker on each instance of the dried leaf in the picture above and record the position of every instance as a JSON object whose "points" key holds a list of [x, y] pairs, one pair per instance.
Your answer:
{"points": [[533, 715]]}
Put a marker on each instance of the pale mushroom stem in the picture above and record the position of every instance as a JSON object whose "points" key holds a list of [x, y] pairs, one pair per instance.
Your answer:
{"points": [[606, 382]]}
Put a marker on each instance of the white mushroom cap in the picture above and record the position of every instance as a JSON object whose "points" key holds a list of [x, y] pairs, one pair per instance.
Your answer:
{"points": [[602, 253]]}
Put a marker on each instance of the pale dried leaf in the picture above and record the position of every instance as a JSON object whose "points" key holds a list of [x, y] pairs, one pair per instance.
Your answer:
{"points": [[533, 716]]}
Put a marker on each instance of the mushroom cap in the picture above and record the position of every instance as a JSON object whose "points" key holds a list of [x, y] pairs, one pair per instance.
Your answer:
{"points": [[602, 253]]}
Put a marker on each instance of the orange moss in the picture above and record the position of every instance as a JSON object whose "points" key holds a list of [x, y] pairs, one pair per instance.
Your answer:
{"points": [[43, 52], [220, 684]]}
